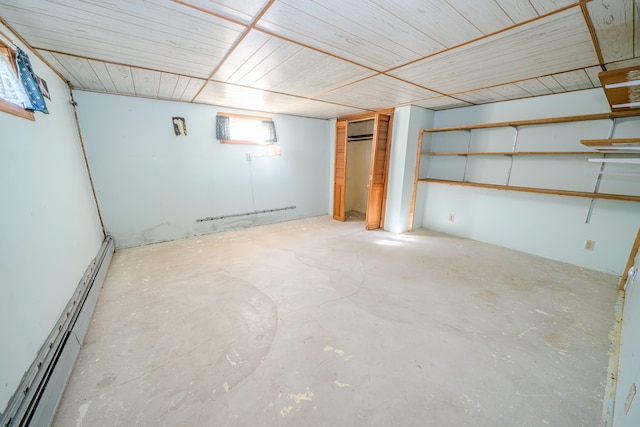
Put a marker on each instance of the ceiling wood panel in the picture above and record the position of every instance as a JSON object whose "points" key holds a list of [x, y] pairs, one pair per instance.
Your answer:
{"points": [[359, 38], [524, 52], [243, 11], [121, 78], [548, 6], [482, 96], [593, 72], [552, 84], [613, 21], [270, 63], [518, 10], [323, 110], [441, 103], [149, 34], [624, 64], [535, 87], [487, 16], [511, 91], [146, 83], [377, 92], [433, 17], [574, 80], [228, 95], [320, 58]]}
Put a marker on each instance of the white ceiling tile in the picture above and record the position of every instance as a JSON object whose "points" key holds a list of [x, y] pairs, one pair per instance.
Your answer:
{"points": [[377, 92], [487, 16], [548, 6], [574, 80], [435, 18], [441, 103], [370, 37], [244, 11], [319, 110], [233, 96], [518, 10], [534, 86], [270, 63], [554, 44], [613, 22], [482, 96], [158, 35], [511, 91]]}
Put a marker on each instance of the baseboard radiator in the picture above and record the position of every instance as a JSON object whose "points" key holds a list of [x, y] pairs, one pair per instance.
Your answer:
{"points": [[37, 398]]}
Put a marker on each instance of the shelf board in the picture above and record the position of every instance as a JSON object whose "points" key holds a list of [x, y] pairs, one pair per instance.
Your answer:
{"points": [[585, 194], [509, 153], [633, 142], [565, 119]]}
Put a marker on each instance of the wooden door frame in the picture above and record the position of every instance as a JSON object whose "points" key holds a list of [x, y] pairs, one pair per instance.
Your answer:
{"points": [[364, 116]]}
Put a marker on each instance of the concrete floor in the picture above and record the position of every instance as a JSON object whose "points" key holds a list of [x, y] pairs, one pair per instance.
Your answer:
{"points": [[320, 323]]}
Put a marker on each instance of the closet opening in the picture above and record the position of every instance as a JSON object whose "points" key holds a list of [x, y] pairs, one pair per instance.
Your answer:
{"points": [[359, 147], [361, 168]]}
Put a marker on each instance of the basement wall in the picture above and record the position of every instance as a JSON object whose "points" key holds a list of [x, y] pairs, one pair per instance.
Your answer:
{"points": [[154, 186], [49, 230], [407, 122], [549, 226]]}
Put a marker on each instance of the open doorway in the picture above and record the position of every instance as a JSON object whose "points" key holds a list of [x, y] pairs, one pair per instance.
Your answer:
{"points": [[361, 168], [359, 147]]}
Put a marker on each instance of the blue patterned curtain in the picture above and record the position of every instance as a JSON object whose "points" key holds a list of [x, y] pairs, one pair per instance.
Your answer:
{"points": [[270, 130], [222, 128], [30, 82]]}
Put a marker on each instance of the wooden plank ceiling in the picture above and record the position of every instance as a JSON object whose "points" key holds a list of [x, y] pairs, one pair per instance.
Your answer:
{"points": [[329, 58]]}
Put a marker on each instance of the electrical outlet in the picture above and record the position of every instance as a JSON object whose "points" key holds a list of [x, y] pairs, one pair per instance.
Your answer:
{"points": [[452, 217], [589, 245]]}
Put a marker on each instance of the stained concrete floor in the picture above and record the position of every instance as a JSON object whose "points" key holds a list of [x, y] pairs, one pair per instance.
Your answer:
{"points": [[320, 323]]}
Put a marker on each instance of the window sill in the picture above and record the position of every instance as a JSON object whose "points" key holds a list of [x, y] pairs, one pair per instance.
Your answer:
{"points": [[8, 107], [237, 141]]}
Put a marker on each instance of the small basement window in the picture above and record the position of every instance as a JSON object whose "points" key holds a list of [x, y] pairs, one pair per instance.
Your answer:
{"points": [[12, 93], [239, 129]]}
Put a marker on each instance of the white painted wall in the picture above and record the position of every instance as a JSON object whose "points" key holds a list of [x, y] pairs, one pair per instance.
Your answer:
{"points": [[406, 124], [153, 185], [550, 226], [49, 226], [629, 367]]}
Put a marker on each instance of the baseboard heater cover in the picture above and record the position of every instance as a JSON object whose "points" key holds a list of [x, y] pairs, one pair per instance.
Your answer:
{"points": [[37, 398]]}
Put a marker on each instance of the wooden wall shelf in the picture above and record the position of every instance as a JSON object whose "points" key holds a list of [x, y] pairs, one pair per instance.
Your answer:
{"points": [[585, 194], [565, 119], [509, 153], [597, 147]]}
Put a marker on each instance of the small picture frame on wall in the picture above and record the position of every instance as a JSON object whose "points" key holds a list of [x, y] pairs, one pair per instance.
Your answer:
{"points": [[42, 84], [179, 126]]}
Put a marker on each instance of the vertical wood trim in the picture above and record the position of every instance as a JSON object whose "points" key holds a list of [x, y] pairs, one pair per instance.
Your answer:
{"points": [[630, 261], [377, 172], [86, 160], [386, 168], [592, 31], [340, 170], [416, 176]]}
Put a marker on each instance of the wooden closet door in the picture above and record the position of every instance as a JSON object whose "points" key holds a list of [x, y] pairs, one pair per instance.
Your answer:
{"points": [[340, 170], [378, 171]]}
